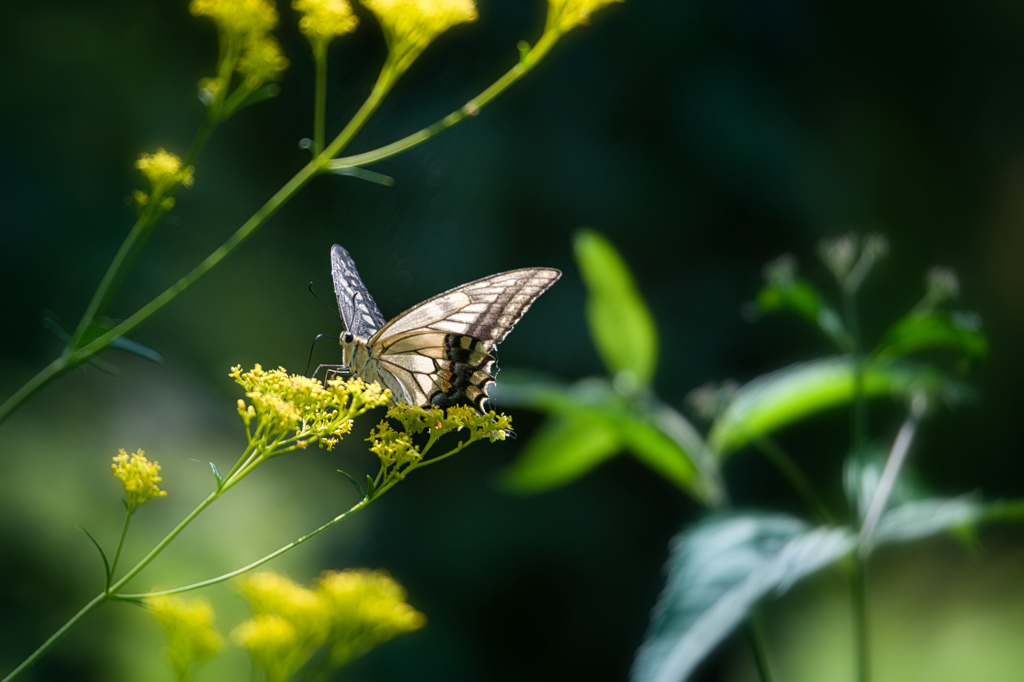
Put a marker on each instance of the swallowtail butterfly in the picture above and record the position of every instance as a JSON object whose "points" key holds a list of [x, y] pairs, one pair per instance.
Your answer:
{"points": [[438, 352]]}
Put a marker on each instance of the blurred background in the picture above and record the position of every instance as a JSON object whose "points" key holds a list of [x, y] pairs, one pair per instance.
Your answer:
{"points": [[703, 138]]}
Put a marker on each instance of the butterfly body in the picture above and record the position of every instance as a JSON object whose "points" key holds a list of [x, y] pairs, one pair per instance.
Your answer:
{"points": [[438, 352]]}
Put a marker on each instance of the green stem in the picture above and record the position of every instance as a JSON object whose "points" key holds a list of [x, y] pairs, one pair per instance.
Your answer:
{"points": [[755, 635], [859, 417], [259, 562], [862, 649], [56, 636], [153, 553], [470, 108], [120, 546], [53, 370]]}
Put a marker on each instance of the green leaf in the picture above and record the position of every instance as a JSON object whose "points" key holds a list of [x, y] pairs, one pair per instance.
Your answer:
{"points": [[560, 451], [355, 484], [621, 326], [667, 444], [920, 331], [135, 348], [717, 571], [922, 518], [803, 298], [775, 400], [103, 555]]}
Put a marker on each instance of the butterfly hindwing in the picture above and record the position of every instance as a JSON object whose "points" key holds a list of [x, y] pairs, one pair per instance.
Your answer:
{"points": [[355, 304]]}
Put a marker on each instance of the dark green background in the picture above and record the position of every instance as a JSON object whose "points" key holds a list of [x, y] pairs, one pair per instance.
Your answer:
{"points": [[702, 137]]}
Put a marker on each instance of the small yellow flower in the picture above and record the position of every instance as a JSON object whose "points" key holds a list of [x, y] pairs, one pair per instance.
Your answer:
{"points": [[188, 625], [411, 25], [564, 15], [324, 20], [163, 170], [139, 477]]}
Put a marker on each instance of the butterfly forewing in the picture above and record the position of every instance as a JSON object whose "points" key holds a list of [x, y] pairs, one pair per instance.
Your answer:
{"points": [[355, 304], [439, 352]]}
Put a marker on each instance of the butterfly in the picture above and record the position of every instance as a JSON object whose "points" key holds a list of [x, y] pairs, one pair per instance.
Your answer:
{"points": [[438, 352]]}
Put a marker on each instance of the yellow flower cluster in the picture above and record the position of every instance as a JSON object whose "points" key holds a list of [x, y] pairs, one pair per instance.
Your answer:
{"points": [[368, 608], [165, 173], [163, 169], [324, 20], [241, 17], [261, 62], [139, 477], [411, 25], [246, 46], [349, 611], [564, 15], [290, 409], [188, 625]]}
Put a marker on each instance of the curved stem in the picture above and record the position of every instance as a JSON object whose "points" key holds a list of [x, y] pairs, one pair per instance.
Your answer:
{"points": [[248, 567], [153, 553], [470, 108]]}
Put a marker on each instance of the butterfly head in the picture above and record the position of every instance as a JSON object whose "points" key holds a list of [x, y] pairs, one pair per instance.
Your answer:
{"points": [[349, 342]]}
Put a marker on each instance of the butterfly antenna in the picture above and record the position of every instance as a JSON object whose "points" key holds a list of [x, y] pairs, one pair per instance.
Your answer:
{"points": [[312, 346], [324, 304]]}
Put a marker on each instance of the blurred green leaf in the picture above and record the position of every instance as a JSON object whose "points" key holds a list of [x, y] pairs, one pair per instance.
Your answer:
{"points": [[919, 519], [560, 451], [717, 571], [934, 330], [621, 326], [775, 400], [802, 297], [637, 425], [136, 348]]}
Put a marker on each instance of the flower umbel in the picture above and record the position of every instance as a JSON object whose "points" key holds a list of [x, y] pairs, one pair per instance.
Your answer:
{"points": [[399, 454], [348, 611], [164, 172], [188, 625], [289, 411], [246, 47], [565, 15], [324, 20], [411, 25], [366, 608], [139, 477]]}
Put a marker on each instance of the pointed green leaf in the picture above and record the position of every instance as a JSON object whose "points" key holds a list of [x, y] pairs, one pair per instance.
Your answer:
{"points": [[775, 400], [621, 326], [717, 572], [560, 451], [658, 436], [913, 333], [371, 489], [103, 555], [919, 519], [135, 348], [355, 484], [216, 475]]}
